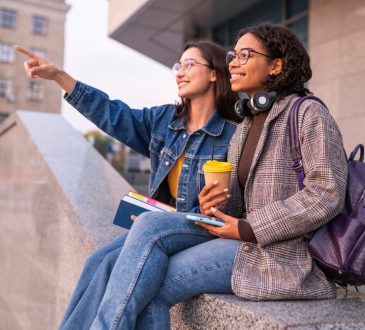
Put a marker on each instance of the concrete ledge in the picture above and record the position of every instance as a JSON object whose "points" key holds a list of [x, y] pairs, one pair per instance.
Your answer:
{"points": [[58, 198], [210, 311]]}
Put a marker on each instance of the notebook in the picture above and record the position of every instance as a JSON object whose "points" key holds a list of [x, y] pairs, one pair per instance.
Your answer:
{"points": [[134, 204]]}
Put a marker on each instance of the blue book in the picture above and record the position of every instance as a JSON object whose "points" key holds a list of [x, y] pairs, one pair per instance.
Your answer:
{"points": [[129, 206]]}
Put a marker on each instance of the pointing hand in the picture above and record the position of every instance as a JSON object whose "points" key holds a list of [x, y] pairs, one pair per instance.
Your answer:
{"points": [[37, 67]]}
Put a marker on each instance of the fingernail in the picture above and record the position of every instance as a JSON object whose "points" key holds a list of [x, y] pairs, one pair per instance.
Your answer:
{"points": [[213, 209], [225, 189], [215, 182], [228, 196]]}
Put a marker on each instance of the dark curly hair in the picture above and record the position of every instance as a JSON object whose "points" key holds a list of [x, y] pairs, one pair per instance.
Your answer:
{"points": [[281, 42], [225, 98]]}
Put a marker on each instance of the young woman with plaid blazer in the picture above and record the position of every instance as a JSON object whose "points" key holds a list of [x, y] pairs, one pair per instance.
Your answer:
{"points": [[266, 212]]}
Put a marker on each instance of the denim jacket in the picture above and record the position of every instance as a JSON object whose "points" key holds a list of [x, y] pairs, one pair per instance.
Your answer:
{"points": [[159, 134]]}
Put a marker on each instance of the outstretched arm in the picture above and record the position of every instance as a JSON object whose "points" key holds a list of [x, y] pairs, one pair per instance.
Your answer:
{"points": [[38, 67]]}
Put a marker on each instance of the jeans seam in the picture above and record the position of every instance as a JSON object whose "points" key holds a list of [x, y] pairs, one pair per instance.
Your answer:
{"points": [[195, 274], [141, 264]]}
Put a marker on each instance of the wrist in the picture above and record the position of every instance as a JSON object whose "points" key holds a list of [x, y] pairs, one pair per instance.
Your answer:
{"points": [[64, 80]]}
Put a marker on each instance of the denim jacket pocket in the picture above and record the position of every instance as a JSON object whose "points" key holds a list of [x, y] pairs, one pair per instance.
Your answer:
{"points": [[156, 145]]}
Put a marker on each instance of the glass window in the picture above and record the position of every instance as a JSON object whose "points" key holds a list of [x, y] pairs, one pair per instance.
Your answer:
{"points": [[291, 13], [5, 87], [220, 35], [300, 28], [35, 91], [39, 25], [40, 52], [6, 52], [267, 11], [7, 18], [3, 116], [295, 7]]}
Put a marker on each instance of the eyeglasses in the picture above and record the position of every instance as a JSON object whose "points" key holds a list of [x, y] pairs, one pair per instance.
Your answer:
{"points": [[186, 65], [243, 55]]}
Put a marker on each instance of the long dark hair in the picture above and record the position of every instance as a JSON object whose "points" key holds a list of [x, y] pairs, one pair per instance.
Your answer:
{"points": [[225, 98], [281, 42]]}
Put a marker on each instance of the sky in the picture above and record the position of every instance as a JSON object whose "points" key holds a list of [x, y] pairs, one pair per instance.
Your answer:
{"points": [[119, 71]]}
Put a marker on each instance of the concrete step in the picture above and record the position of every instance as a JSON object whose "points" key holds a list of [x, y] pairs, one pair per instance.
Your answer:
{"points": [[212, 311]]}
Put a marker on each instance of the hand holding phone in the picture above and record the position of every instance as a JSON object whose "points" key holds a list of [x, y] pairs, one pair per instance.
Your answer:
{"points": [[209, 221]]}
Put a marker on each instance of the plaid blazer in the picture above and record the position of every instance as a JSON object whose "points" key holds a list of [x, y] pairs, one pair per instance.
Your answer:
{"points": [[280, 266]]}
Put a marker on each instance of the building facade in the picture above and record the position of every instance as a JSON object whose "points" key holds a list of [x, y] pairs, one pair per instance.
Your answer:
{"points": [[333, 31], [39, 26]]}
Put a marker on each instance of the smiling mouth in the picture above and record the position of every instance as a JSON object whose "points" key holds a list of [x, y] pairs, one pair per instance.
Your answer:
{"points": [[235, 76], [182, 84]]}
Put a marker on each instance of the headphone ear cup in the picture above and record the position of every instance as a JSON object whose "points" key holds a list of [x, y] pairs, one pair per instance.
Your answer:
{"points": [[241, 108], [238, 108], [262, 101]]}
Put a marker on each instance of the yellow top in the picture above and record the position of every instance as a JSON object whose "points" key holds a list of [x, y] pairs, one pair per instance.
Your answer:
{"points": [[216, 166], [173, 176]]}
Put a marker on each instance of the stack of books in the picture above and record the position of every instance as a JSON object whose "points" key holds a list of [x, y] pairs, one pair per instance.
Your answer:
{"points": [[134, 204]]}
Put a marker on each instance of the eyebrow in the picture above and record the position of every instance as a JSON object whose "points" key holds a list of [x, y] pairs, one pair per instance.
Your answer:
{"points": [[189, 58]]}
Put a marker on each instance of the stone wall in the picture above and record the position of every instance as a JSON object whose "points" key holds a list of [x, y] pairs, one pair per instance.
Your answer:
{"points": [[337, 50], [57, 201]]}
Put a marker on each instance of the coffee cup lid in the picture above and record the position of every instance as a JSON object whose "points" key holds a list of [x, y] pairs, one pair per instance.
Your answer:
{"points": [[216, 166]]}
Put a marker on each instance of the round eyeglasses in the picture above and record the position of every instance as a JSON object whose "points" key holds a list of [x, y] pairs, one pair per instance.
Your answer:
{"points": [[243, 55], [186, 65]]}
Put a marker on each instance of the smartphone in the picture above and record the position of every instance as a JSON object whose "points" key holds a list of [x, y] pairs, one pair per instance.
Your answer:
{"points": [[209, 221]]}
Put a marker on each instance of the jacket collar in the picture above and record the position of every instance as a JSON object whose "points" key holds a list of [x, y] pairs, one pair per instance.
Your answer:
{"points": [[279, 107], [214, 126]]}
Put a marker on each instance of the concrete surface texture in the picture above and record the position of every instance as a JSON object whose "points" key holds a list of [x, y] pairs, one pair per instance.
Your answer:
{"points": [[57, 201], [230, 312]]}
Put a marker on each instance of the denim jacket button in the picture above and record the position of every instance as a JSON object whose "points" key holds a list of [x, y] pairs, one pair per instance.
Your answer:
{"points": [[184, 136], [167, 163]]}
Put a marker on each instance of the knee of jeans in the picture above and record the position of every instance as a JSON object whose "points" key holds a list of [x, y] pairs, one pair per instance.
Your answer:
{"points": [[150, 219]]}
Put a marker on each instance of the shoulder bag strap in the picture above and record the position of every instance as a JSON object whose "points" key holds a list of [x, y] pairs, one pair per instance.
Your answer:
{"points": [[296, 154]]}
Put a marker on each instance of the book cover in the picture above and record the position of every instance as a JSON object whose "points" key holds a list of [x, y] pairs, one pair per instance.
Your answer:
{"points": [[135, 204]]}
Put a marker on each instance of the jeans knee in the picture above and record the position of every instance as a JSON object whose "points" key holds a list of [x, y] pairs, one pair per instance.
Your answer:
{"points": [[150, 216], [151, 220]]}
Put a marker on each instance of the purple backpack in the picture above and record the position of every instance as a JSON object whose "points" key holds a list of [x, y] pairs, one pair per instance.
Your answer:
{"points": [[338, 247]]}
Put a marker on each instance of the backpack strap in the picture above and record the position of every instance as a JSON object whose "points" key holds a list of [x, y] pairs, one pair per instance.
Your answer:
{"points": [[355, 151], [296, 154]]}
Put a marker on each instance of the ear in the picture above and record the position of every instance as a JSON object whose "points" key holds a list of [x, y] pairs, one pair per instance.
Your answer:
{"points": [[213, 76], [277, 66]]}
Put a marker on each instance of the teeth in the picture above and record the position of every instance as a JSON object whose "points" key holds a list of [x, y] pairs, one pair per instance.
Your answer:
{"points": [[183, 83], [236, 75]]}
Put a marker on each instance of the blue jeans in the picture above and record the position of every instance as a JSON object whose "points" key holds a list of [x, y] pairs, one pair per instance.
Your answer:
{"points": [[91, 286], [165, 259]]}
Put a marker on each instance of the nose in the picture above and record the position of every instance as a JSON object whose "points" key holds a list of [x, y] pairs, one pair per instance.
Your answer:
{"points": [[234, 63], [180, 73]]}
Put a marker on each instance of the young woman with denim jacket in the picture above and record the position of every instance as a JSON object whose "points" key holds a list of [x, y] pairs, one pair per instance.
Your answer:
{"points": [[168, 135], [164, 133]]}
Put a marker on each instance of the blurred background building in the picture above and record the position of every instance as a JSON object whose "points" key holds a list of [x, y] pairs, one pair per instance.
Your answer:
{"points": [[38, 25], [332, 30]]}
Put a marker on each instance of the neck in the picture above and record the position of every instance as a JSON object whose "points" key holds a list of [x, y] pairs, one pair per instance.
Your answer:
{"points": [[201, 110]]}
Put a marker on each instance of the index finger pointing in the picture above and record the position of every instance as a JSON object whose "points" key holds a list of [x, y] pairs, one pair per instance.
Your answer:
{"points": [[24, 51]]}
